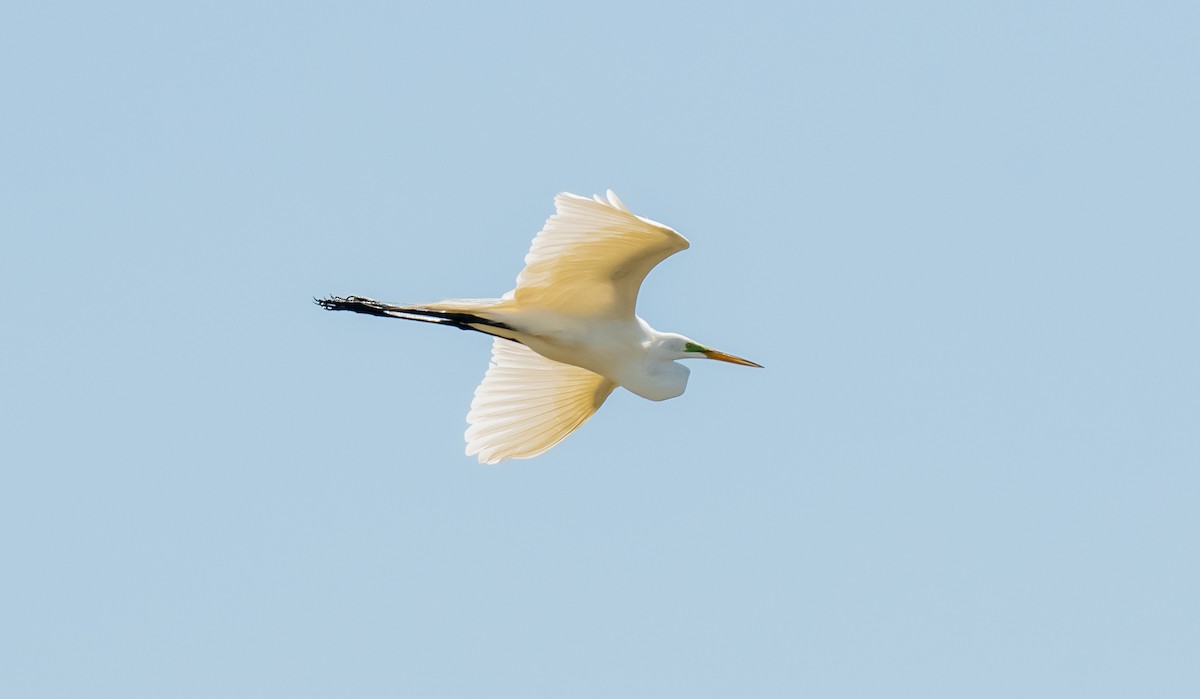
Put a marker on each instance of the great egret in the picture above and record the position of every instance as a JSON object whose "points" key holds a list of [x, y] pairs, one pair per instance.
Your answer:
{"points": [[567, 335]]}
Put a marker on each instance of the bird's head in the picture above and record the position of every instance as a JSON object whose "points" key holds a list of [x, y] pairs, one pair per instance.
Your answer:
{"points": [[687, 348]]}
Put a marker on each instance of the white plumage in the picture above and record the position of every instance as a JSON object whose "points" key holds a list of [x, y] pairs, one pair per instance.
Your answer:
{"points": [[567, 334], [527, 403]]}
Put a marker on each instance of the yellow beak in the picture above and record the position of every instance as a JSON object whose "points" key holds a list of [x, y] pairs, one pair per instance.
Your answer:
{"points": [[722, 357]]}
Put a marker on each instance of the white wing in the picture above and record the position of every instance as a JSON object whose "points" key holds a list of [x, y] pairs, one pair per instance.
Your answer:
{"points": [[527, 403], [591, 257]]}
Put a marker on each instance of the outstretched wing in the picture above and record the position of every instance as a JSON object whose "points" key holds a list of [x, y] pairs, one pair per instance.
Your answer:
{"points": [[591, 257], [527, 403]]}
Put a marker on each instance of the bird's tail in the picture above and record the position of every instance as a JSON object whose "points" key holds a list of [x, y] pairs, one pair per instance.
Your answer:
{"points": [[466, 314]]}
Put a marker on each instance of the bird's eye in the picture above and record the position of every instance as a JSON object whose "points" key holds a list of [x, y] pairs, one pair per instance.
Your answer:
{"points": [[693, 347]]}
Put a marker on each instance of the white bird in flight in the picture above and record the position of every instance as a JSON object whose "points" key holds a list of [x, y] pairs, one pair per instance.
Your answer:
{"points": [[567, 335]]}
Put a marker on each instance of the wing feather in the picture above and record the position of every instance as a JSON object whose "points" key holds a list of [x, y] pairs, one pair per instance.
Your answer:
{"points": [[591, 257], [527, 403]]}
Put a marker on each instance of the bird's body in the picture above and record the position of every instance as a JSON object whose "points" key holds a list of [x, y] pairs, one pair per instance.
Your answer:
{"points": [[616, 348], [567, 335]]}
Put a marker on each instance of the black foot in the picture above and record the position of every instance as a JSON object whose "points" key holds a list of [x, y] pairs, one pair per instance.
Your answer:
{"points": [[357, 304]]}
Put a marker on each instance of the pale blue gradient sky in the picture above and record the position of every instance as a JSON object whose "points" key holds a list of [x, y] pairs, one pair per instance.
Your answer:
{"points": [[963, 239]]}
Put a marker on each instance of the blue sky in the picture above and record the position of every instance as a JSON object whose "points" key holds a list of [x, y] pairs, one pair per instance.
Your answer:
{"points": [[962, 237]]}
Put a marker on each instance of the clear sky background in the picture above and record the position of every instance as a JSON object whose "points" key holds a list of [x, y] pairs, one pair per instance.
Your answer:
{"points": [[963, 238]]}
